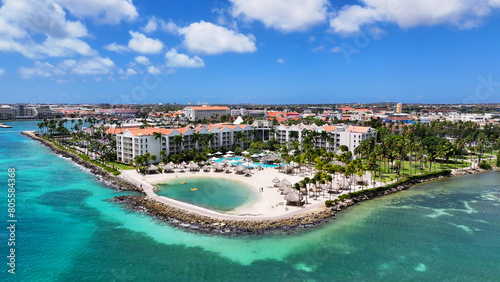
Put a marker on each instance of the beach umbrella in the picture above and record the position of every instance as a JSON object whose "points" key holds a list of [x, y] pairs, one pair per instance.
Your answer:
{"points": [[171, 163], [276, 180], [214, 159], [262, 154], [229, 152], [202, 163], [209, 154], [218, 153], [184, 163], [245, 153], [246, 171]]}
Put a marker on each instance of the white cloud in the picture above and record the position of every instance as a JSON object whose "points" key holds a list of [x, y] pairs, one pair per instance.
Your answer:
{"points": [[142, 60], [41, 69], [116, 48], [124, 74], [155, 24], [2, 71], [176, 60], [55, 47], [86, 66], [139, 43], [142, 44], [93, 66], [207, 38], [38, 29], [105, 11], [463, 14], [336, 49], [153, 70], [318, 49], [151, 26], [40, 17], [280, 60], [283, 15]]}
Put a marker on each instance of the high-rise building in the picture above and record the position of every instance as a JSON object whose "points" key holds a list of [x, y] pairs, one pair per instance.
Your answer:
{"points": [[399, 108]]}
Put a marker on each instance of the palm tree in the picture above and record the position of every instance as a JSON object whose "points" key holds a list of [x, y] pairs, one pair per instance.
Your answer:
{"points": [[238, 137], [158, 135], [196, 138], [209, 138], [179, 140]]}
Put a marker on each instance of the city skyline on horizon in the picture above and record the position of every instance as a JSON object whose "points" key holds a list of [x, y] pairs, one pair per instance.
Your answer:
{"points": [[232, 52]]}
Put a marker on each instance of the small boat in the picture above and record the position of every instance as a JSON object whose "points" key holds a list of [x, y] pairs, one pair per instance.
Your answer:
{"points": [[183, 182], [194, 189]]}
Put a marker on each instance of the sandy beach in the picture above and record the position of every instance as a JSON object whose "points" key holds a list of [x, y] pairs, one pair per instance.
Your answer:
{"points": [[269, 204]]}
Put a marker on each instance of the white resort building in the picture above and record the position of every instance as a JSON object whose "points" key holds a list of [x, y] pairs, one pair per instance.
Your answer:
{"points": [[132, 142], [332, 139]]}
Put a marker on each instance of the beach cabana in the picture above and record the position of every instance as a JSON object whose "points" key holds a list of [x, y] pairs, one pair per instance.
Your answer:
{"points": [[239, 169], [218, 167], [206, 168], [193, 167], [247, 172], [276, 181], [287, 190], [286, 183], [270, 158], [288, 168], [293, 198], [168, 168], [151, 168]]}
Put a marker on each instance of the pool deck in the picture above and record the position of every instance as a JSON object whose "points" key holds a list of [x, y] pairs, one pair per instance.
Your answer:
{"points": [[270, 204]]}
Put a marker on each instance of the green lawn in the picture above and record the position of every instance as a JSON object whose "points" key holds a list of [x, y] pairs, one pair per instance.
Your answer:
{"points": [[392, 175], [121, 166]]}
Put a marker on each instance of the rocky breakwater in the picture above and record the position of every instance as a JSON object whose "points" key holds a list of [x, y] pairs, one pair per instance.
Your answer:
{"points": [[205, 224], [102, 175], [365, 195]]}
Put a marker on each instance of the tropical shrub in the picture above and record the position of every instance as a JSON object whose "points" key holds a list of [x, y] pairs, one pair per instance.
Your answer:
{"points": [[485, 165]]}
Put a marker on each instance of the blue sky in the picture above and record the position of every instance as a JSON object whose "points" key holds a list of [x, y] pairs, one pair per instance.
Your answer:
{"points": [[259, 51]]}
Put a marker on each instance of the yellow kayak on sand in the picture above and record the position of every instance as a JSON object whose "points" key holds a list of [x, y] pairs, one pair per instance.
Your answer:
{"points": [[194, 189], [183, 183]]}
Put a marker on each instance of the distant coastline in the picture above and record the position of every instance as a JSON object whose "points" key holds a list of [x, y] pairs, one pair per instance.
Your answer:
{"points": [[190, 220]]}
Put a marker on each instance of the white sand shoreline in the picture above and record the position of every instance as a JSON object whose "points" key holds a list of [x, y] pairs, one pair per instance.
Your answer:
{"points": [[269, 204]]}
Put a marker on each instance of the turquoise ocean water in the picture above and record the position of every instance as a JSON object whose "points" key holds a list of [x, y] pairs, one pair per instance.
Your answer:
{"points": [[67, 230], [213, 193]]}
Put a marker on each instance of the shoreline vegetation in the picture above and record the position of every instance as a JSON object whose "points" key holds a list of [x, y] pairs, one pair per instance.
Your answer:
{"points": [[103, 175], [193, 221]]}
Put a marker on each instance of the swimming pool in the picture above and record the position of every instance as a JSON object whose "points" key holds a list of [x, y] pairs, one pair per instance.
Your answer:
{"points": [[240, 160], [211, 193]]}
